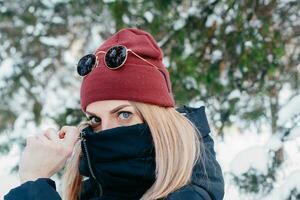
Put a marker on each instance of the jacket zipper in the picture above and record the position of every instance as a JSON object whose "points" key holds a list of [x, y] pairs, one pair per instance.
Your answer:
{"points": [[83, 139]]}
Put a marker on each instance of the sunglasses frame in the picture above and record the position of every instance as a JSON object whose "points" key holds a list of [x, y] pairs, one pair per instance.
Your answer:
{"points": [[105, 53], [127, 50]]}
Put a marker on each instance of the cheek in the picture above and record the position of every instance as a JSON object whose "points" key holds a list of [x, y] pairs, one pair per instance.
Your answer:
{"points": [[137, 119]]}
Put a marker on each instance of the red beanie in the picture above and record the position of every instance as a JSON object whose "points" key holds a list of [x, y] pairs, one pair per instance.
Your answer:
{"points": [[136, 80]]}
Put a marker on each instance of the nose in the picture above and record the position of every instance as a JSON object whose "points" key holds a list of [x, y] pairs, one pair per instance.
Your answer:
{"points": [[108, 124]]}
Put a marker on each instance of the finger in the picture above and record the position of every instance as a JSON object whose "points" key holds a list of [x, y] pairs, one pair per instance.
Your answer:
{"points": [[71, 134], [30, 140], [51, 134], [42, 138], [33, 142]]}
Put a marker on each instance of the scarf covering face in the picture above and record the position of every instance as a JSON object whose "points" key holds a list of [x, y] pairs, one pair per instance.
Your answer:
{"points": [[120, 160]]}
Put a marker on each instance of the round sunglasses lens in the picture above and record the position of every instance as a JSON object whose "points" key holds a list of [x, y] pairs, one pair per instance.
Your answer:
{"points": [[85, 64], [115, 56]]}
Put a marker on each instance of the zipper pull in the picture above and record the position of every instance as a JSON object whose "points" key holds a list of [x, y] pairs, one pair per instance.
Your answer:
{"points": [[82, 135]]}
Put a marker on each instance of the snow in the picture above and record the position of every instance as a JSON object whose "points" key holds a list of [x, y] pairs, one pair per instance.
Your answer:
{"points": [[242, 149], [41, 66], [196, 103], [29, 29], [270, 58], [74, 51], [190, 82], [287, 1], [51, 3], [237, 140], [255, 23], [237, 73], [109, 1], [6, 68], [291, 182], [166, 61], [216, 55], [184, 14], [289, 110], [178, 24], [57, 98], [234, 94], [283, 191], [213, 19], [188, 48], [285, 94], [54, 41], [248, 44], [295, 132], [8, 180], [96, 38], [193, 10], [255, 157], [58, 20], [229, 29], [274, 143], [149, 16], [125, 19], [38, 29]]}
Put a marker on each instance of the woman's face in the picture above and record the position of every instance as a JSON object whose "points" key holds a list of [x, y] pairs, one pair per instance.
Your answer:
{"points": [[109, 114]]}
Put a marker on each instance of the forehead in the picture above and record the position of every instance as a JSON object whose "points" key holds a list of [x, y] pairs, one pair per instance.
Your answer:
{"points": [[106, 105]]}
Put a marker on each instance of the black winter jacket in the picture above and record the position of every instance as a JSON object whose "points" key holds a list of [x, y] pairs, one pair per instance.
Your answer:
{"points": [[204, 186]]}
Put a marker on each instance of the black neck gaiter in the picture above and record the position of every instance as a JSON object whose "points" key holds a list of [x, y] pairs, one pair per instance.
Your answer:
{"points": [[122, 160]]}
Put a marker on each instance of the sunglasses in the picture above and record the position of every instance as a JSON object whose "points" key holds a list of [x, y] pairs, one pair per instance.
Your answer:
{"points": [[114, 58]]}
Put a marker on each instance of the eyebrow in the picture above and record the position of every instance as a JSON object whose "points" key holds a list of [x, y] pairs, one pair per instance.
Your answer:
{"points": [[112, 111]]}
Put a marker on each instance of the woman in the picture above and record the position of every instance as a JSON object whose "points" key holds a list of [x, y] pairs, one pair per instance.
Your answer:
{"points": [[136, 144]]}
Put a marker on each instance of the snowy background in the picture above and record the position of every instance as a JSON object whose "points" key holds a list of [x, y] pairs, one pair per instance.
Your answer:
{"points": [[240, 59]]}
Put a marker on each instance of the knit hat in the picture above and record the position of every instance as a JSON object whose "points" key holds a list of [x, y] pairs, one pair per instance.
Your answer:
{"points": [[136, 80]]}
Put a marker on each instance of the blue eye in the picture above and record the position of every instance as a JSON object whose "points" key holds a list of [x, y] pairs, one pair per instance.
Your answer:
{"points": [[94, 120], [125, 114]]}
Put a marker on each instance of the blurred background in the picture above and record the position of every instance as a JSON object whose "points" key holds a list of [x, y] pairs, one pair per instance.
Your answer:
{"points": [[239, 59]]}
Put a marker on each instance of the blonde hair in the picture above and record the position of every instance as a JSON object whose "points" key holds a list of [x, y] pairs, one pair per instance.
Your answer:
{"points": [[178, 147]]}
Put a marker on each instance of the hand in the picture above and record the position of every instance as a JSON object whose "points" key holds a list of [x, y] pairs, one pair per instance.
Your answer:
{"points": [[47, 153]]}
